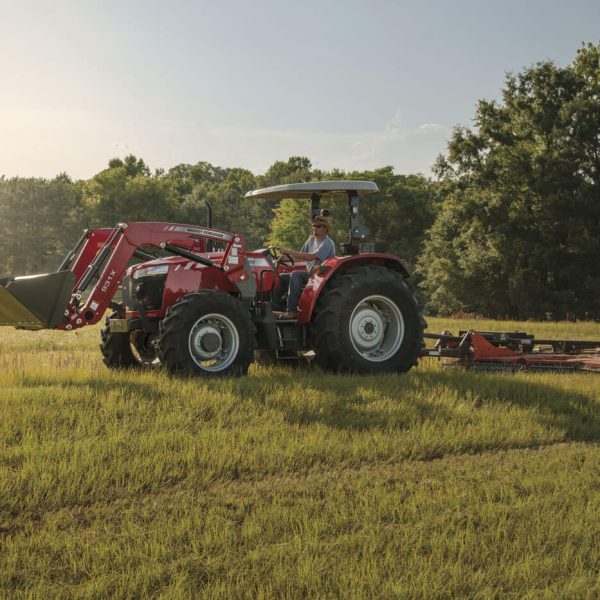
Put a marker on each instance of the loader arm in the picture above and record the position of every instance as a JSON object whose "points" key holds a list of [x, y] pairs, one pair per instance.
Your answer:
{"points": [[82, 289]]}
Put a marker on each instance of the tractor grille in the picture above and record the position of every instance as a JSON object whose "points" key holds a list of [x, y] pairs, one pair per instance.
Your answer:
{"points": [[147, 290]]}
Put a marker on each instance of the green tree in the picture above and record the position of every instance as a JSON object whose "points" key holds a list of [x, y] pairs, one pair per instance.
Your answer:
{"points": [[131, 164], [127, 192], [195, 186], [41, 220], [289, 226], [519, 231], [294, 170], [400, 213]]}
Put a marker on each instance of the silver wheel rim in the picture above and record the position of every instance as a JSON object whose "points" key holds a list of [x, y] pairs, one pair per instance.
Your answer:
{"points": [[145, 359], [213, 342], [376, 328]]}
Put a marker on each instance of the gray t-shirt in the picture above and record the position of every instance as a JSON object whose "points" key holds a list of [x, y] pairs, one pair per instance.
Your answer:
{"points": [[324, 249]]}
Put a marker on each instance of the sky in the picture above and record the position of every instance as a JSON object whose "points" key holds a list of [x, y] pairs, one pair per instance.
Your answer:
{"points": [[350, 84]]}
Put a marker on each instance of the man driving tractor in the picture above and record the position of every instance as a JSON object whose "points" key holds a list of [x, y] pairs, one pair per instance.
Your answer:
{"points": [[317, 248]]}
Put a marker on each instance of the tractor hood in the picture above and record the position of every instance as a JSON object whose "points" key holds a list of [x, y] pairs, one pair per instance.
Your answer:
{"points": [[161, 266]]}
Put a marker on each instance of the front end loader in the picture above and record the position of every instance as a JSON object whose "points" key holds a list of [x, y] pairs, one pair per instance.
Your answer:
{"points": [[36, 301]]}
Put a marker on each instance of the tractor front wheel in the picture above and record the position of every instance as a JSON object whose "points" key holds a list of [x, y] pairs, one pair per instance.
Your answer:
{"points": [[367, 320], [207, 333], [125, 350]]}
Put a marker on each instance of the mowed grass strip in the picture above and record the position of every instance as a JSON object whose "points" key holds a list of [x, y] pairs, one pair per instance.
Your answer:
{"points": [[292, 482]]}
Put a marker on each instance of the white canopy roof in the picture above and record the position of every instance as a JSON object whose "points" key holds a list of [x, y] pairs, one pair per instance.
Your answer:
{"points": [[306, 190]]}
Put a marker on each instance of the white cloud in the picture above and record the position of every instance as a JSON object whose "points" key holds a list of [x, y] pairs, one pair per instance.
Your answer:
{"points": [[433, 127]]}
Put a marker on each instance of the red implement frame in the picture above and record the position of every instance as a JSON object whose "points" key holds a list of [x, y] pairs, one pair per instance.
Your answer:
{"points": [[513, 351]]}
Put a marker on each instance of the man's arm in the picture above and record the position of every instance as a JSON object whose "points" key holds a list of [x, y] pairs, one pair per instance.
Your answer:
{"points": [[298, 255]]}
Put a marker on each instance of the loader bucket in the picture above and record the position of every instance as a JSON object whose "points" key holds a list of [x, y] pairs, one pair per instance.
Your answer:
{"points": [[35, 301]]}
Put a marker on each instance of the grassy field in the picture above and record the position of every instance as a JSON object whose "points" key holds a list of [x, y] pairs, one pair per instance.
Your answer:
{"points": [[294, 483]]}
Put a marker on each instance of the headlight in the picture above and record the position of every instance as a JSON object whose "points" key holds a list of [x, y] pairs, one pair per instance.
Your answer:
{"points": [[150, 271]]}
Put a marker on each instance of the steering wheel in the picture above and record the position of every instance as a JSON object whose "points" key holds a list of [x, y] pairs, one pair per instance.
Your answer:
{"points": [[280, 258]]}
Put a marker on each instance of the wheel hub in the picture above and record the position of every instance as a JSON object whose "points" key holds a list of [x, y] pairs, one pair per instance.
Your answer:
{"points": [[208, 341], [213, 342], [368, 328], [376, 328]]}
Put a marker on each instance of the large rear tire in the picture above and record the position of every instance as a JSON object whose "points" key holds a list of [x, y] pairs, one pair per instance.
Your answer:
{"points": [[207, 333], [367, 320]]}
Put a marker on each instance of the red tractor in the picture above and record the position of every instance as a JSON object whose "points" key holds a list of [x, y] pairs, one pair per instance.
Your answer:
{"points": [[200, 303]]}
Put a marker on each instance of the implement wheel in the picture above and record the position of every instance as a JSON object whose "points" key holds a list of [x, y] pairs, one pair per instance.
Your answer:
{"points": [[367, 320], [207, 334]]}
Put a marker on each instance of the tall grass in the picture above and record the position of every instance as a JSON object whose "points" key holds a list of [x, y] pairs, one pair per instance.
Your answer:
{"points": [[295, 483]]}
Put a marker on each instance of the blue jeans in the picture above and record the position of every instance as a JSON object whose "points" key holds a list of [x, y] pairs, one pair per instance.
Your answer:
{"points": [[298, 280]]}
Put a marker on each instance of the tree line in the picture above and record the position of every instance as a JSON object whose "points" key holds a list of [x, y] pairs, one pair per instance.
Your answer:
{"points": [[508, 227]]}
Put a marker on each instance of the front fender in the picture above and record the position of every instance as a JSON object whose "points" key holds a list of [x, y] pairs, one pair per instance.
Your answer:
{"points": [[333, 266]]}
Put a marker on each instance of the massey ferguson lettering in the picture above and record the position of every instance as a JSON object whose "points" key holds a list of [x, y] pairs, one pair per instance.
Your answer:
{"points": [[210, 233]]}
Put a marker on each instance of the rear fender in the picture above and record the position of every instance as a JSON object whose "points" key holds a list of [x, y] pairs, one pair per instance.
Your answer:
{"points": [[334, 266]]}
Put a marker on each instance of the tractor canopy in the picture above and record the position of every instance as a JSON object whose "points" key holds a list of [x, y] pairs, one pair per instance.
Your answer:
{"points": [[317, 188], [352, 190]]}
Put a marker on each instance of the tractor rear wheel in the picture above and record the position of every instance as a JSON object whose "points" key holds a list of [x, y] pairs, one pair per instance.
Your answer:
{"points": [[367, 320], [207, 333]]}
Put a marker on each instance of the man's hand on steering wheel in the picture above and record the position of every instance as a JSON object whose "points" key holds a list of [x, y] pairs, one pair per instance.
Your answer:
{"points": [[281, 256]]}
